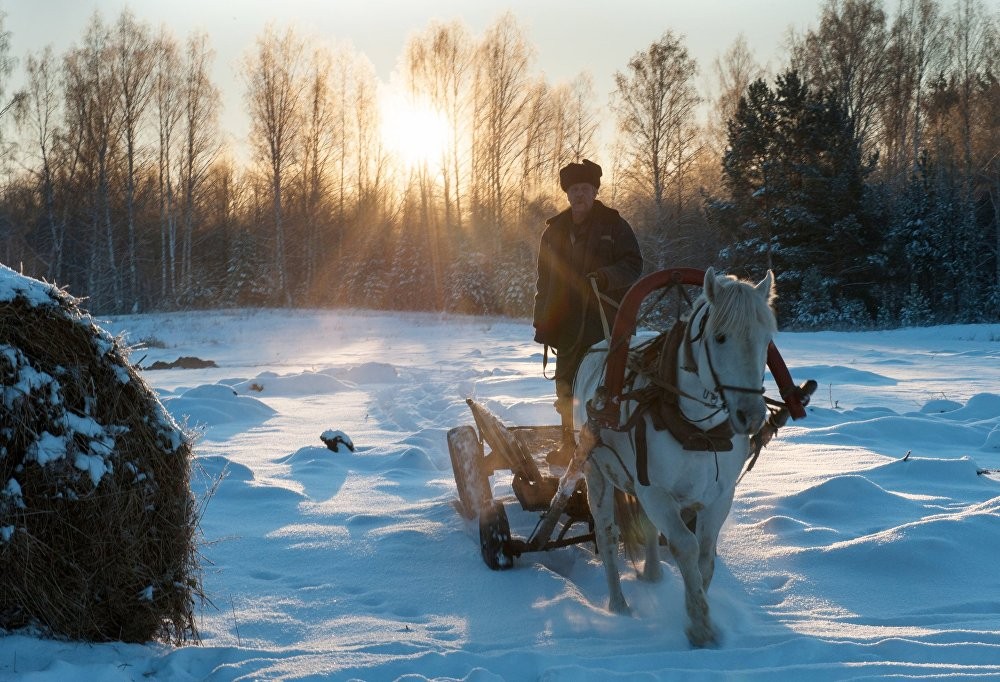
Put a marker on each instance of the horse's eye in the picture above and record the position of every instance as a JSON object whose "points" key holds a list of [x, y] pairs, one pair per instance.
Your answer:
{"points": [[720, 338]]}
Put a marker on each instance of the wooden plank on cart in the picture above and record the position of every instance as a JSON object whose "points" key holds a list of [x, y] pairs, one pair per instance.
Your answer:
{"points": [[502, 440]]}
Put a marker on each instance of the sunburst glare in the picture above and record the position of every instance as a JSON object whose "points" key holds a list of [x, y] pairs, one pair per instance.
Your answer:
{"points": [[413, 130]]}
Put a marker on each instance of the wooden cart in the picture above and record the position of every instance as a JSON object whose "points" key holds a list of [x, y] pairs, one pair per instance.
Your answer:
{"points": [[522, 450]]}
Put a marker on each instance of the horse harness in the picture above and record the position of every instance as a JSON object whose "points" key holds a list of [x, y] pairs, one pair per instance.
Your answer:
{"points": [[657, 361]]}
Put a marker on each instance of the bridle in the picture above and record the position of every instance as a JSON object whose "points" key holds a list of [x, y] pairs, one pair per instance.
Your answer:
{"points": [[689, 341]]}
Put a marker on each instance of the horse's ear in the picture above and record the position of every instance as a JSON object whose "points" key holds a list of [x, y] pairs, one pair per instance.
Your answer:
{"points": [[709, 286], [766, 287]]}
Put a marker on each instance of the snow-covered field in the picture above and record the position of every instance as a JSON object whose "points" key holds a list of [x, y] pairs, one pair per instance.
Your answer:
{"points": [[842, 558]]}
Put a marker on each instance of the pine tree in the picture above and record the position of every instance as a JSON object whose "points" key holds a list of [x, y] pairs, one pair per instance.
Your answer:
{"points": [[247, 282], [797, 201]]}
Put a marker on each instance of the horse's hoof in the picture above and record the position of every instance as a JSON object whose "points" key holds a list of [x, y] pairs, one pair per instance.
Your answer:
{"points": [[701, 638], [619, 608]]}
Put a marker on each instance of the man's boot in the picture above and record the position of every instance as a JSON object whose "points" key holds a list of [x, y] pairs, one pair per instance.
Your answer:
{"points": [[561, 455]]}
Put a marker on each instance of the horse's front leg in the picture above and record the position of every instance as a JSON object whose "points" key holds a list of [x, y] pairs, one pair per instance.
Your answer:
{"points": [[684, 546], [710, 520], [601, 497]]}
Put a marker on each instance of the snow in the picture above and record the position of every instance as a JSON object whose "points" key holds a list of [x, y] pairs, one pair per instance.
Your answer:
{"points": [[47, 448], [35, 292], [94, 465], [863, 545], [29, 379], [335, 438]]}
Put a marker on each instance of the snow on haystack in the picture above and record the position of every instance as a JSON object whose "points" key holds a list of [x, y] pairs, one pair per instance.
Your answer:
{"points": [[97, 521]]}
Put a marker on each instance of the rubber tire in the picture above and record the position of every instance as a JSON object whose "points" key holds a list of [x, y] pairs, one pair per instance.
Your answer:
{"points": [[494, 536], [473, 484]]}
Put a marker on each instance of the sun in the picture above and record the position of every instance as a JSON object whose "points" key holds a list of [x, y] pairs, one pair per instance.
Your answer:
{"points": [[412, 130]]}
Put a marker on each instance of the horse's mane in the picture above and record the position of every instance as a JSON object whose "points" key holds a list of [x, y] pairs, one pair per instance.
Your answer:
{"points": [[738, 308]]}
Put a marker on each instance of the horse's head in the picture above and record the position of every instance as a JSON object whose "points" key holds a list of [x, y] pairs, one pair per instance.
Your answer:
{"points": [[735, 324]]}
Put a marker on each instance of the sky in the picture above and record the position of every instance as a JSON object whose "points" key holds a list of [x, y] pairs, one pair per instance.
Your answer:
{"points": [[570, 38], [862, 546]]}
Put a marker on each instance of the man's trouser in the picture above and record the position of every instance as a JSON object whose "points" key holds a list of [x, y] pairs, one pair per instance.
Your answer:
{"points": [[567, 363]]}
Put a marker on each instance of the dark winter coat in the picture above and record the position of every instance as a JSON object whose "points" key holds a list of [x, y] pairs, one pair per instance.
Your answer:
{"points": [[566, 314]]}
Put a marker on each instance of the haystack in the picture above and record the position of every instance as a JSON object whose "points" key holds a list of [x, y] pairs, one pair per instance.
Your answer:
{"points": [[97, 519]]}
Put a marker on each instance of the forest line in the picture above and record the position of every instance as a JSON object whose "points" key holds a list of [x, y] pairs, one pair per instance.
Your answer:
{"points": [[865, 169]]}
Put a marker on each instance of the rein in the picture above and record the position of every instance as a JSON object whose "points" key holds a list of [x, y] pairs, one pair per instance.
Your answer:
{"points": [[600, 308]]}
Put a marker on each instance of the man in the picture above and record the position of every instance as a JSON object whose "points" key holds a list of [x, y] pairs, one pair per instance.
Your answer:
{"points": [[587, 240]]}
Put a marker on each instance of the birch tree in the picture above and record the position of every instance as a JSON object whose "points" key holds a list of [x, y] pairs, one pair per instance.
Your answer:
{"points": [[438, 63], [132, 70], [319, 148], [93, 114], [502, 92], [847, 53], [654, 102], [40, 116], [168, 111], [273, 74], [734, 71], [200, 144]]}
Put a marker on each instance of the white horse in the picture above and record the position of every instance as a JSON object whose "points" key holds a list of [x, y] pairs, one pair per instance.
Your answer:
{"points": [[720, 367]]}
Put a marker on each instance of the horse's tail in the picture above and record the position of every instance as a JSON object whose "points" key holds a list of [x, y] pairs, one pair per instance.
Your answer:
{"points": [[633, 524]]}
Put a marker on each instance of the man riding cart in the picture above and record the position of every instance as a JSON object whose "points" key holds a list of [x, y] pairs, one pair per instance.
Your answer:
{"points": [[587, 247]]}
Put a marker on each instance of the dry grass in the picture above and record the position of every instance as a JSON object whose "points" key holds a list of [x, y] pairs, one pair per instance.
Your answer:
{"points": [[111, 561]]}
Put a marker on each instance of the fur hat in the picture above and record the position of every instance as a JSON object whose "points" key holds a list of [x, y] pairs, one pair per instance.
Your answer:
{"points": [[588, 171]]}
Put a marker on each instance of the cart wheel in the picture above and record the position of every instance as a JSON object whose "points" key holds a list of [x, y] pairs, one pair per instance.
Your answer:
{"points": [[466, 464], [494, 536]]}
